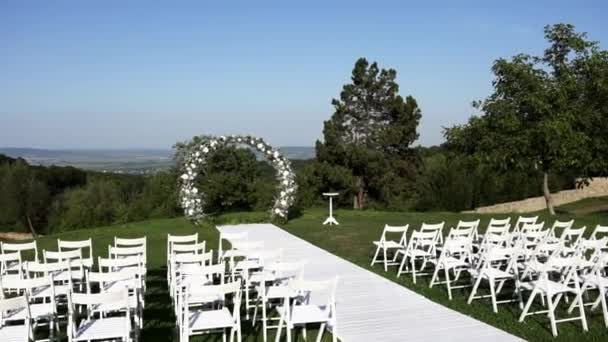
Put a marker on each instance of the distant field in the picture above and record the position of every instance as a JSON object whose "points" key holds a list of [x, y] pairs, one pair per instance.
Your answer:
{"points": [[135, 161]]}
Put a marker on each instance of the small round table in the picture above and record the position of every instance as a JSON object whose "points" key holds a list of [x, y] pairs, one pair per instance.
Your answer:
{"points": [[330, 220]]}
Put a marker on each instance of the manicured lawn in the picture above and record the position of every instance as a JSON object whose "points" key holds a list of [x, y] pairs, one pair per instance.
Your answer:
{"points": [[352, 241]]}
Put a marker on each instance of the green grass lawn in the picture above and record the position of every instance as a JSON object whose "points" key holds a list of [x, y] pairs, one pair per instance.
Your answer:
{"points": [[352, 241]]}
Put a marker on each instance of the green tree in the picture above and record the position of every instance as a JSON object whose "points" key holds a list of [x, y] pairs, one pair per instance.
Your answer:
{"points": [[370, 134], [537, 117]]}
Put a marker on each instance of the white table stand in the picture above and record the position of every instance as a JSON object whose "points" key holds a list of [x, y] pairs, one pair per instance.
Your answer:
{"points": [[330, 220]]}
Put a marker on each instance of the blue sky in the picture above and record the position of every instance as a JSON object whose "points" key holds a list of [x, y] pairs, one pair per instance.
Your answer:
{"points": [[125, 74]]}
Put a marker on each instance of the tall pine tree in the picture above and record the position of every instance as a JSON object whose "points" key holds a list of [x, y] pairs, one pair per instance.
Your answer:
{"points": [[371, 133]]}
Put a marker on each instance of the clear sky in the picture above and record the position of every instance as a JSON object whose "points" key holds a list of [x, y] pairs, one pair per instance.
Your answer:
{"points": [[145, 74]]}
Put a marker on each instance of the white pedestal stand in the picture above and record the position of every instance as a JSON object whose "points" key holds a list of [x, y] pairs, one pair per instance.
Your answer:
{"points": [[331, 220]]}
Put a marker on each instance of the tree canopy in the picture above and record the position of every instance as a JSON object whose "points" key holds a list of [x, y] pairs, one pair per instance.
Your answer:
{"points": [[544, 112]]}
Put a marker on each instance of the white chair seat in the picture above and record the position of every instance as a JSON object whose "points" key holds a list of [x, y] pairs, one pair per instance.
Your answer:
{"points": [[548, 286], [418, 253], [592, 280], [494, 273], [279, 292], [452, 262], [11, 277], [247, 265], [14, 333], [388, 244], [210, 319], [308, 314], [133, 304], [103, 329], [36, 310], [263, 276]]}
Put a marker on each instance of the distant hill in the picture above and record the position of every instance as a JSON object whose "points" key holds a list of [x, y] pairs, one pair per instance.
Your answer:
{"points": [[119, 160]]}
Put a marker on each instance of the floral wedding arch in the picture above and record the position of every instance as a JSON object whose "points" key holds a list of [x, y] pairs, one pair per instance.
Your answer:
{"points": [[194, 155]]}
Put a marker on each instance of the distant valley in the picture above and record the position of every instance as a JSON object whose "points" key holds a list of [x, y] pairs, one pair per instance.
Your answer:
{"points": [[131, 161]]}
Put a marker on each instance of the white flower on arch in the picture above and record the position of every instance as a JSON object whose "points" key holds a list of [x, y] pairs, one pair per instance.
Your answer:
{"points": [[192, 199]]}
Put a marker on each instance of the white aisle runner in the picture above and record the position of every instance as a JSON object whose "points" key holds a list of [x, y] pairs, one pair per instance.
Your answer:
{"points": [[370, 307]]}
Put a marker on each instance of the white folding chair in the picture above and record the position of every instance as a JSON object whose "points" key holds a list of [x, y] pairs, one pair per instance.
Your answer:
{"points": [[454, 257], [497, 266], [118, 282], [198, 320], [385, 244], [133, 253], [308, 307], [16, 333], [252, 268], [87, 261], [553, 290], [422, 247], [495, 233], [41, 297], [598, 234], [20, 247], [273, 287], [98, 325]]}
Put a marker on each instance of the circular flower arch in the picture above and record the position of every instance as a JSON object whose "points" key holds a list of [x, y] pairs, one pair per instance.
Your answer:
{"points": [[194, 155]]}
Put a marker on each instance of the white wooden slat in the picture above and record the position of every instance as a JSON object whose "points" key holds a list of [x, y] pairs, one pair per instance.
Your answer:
{"points": [[370, 307]]}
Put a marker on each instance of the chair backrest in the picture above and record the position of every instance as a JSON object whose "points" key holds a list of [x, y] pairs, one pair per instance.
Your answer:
{"points": [[31, 286], [191, 274], [133, 264], [560, 225], [571, 236], [499, 222], [599, 232], [179, 239], [53, 256], [532, 227], [458, 243], [195, 248], [114, 301], [461, 233], [20, 247], [7, 259], [523, 221], [122, 252], [107, 278], [38, 269], [434, 227], [186, 258], [65, 245], [399, 231], [130, 242]]}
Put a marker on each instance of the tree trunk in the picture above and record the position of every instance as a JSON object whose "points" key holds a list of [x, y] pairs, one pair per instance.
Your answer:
{"points": [[32, 230], [547, 193]]}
